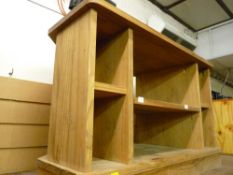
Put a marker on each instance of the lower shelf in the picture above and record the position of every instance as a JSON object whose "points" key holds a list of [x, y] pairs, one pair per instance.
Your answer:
{"points": [[148, 159]]}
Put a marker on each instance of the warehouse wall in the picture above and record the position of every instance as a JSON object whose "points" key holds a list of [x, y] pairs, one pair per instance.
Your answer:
{"points": [[24, 43]]}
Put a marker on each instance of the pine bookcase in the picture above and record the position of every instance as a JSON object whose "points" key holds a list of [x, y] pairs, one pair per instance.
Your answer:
{"points": [[104, 123]]}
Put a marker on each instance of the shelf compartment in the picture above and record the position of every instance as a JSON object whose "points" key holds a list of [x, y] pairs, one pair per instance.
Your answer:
{"points": [[114, 59], [103, 90], [177, 85], [112, 119], [158, 128], [162, 106]]}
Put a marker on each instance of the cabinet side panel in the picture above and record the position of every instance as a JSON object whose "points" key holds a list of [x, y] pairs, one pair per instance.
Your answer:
{"points": [[71, 122]]}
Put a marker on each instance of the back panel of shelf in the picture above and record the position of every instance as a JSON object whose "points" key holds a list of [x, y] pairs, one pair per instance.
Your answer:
{"points": [[112, 57]]}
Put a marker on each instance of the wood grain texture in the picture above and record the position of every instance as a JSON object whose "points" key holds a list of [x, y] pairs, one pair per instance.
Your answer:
{"points": [[166, 73], [162, 106], [19, 160], [169, 162], [223, 110], [113, 124], [210, 136], [147, 40], [177, 85], [22, 90], [205, 87], [179, 130], [16, 112], [18, 136], [71, 120], [112, 60], [103, 90]]}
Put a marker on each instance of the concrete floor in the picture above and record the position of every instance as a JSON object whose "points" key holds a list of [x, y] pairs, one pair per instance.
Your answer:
{"points": [[227, 167]]}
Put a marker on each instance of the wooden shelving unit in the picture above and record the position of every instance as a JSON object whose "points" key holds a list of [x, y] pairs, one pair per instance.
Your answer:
{"points": [[105, 129]]}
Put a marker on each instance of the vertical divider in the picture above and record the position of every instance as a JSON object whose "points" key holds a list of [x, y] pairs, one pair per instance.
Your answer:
{"points": [[197, 139], [71, 118], [207, 109]]}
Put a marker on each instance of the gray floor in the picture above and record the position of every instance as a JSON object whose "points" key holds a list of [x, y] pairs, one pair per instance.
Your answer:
{"points": [[227, 167]]}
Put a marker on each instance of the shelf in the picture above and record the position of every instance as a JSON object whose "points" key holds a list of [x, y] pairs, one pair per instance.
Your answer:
{"points": [[147, 158], [205, 106], [103, 90], [162, 106], [171, 154]]}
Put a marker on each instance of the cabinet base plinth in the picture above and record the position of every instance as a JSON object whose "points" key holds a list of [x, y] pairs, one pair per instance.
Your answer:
{"points": [[182, 162]]}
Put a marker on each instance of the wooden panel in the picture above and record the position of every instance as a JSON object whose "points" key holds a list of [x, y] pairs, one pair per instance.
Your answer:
{"points": [[205, 90], [16, 136], [73, 95], [113, 124], [106, 90], [209, 132], [168, 163], [19, 160], [21, 90], [207, 110], [148, 42], [15, 112], [112, 59], [223, 110], [178, 85], [169, 129], [161, 106]]}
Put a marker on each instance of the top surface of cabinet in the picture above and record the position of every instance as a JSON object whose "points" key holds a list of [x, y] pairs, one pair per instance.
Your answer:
{"points": [[152, 50]]}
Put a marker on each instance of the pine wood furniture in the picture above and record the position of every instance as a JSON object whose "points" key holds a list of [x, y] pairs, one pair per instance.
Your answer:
{"points": [[24, 118], [223, 110], [101, 123]]}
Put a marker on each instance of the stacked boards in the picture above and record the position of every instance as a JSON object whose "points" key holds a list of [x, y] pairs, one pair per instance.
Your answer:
{"points": [[24, 120]]}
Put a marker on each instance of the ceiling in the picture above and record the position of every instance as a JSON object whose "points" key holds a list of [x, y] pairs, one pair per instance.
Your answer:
{"points": [[197, 14], [223, 69]]}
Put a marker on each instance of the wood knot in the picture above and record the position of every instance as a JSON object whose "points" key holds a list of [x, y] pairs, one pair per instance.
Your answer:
{"points": [[230, 127]]}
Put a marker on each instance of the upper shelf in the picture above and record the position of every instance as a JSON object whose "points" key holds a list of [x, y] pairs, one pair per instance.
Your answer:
{"points": [[152, 50], [162, 106]]}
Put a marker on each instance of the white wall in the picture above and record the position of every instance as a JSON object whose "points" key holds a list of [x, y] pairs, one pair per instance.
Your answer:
{"points": [[24, 42], [26, 47], [143, 9], [215, 42]]}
